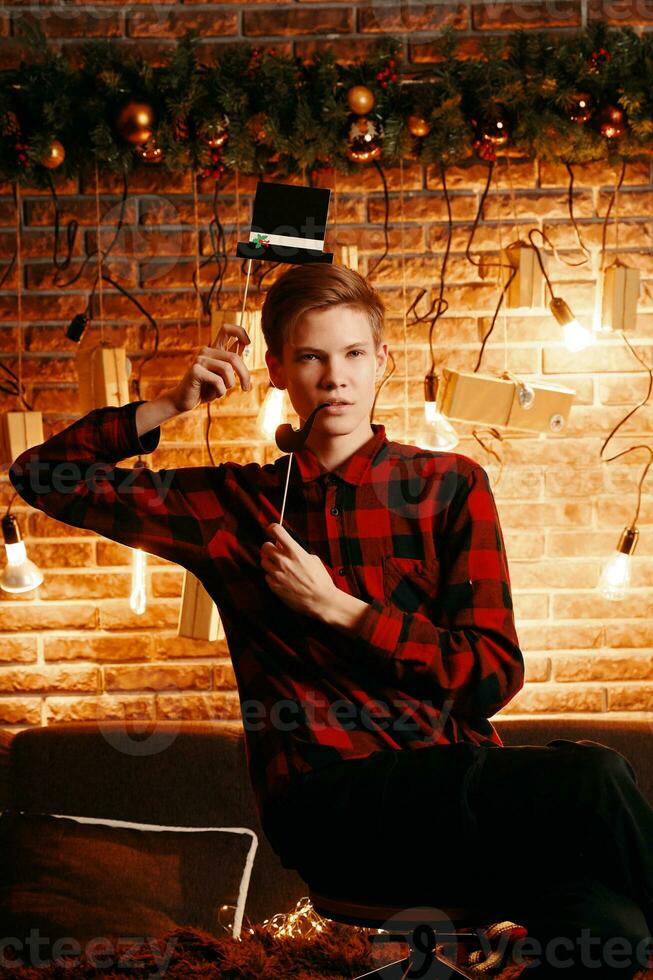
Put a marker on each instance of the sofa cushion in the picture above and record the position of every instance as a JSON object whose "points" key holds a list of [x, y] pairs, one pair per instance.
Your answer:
{"points": [[84, 880]]}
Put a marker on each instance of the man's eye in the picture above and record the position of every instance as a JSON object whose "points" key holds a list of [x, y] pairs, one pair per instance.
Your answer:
{"points": [[315, 355]]}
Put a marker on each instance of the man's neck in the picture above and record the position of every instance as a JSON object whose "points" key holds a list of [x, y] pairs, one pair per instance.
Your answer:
{"points": [[334, 451]]}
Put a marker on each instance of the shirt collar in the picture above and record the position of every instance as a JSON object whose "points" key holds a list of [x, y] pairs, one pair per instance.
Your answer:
{"points": [[353, 470]]}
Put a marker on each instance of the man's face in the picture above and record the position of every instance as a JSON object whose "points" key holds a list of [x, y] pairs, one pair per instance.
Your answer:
{"points": [[331, 355]]}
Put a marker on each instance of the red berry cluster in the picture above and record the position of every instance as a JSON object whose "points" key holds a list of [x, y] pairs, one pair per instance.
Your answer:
{"points": [[387, 75], [255, 59], [485, 149], [22, 156], [216, 168], [600, 57]]}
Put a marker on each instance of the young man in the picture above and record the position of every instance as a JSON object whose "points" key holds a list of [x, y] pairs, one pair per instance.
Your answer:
{"points": [[372, 636]]}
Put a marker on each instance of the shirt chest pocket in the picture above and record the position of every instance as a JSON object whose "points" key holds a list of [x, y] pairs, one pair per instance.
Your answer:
{"points": [[411, 584]]}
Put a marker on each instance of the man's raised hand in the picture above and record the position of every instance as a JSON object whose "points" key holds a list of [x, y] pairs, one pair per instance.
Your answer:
{"points": [[213, 371]]}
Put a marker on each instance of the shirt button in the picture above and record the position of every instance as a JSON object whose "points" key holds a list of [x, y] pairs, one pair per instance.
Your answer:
{"points": [[342, 571], [335, 511]]}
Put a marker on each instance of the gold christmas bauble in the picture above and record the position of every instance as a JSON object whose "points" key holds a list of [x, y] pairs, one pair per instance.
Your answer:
{"points": [[495, 132], [418, 126], [257, 127], [364, 140], [612, 123], [580, 107], [360, 99], [215, 134], [54, 155], [150, 152], [135, 122]]}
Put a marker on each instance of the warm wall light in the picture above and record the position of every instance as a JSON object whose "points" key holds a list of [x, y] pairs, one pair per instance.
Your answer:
{"points": [[272, 412], [19, 574], [615, 577], [441, 434], [620, 295], [138, 597], [577, 337]]}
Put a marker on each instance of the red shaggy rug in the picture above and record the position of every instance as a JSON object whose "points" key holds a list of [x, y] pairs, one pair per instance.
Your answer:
{"points": [[339, 952]]}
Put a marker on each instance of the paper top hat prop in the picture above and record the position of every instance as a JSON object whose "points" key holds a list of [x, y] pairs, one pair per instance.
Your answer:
{"points": [[288, 224]]}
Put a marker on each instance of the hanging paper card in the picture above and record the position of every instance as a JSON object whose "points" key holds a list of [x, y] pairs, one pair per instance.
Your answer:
{"points": [[19, 431], [199, 618], [102, 377]]}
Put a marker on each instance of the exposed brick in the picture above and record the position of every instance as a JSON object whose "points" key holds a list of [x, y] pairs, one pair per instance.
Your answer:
{"points": [[80, 22], [604, 356], [296, 21], [555, 636], [199, 706], [20, 711], [536, 698], [602, 666], [85, 585], [26, 616], [172, 22], [594, 174], [224, 677], [620, 13], [155, 678], [62, 555], [167, 583], [178, 647], [529, 606], [528, 16], [634, 697], [53, 679], [17, 649], [133, 646], [119, 616], [468, 47], [406, 17], [92, 708], [554, 574], [537, 667]]}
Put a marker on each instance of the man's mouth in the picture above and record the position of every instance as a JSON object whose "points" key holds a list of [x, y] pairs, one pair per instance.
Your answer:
{"points": [[333, 402]]}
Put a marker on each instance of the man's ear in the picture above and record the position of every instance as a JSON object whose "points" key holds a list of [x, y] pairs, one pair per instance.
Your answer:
{"points": [[381, 359], [275, 370]]}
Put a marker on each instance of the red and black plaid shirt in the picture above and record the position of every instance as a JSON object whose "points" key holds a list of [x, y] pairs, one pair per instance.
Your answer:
{"points": [[412, 532]]}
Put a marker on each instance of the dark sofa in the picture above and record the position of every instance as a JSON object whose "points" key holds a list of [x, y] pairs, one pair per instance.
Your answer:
{"points": [[182, 775]]}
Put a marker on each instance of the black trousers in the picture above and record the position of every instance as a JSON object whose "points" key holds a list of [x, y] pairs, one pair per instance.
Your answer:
{"points": [[557, 838]]}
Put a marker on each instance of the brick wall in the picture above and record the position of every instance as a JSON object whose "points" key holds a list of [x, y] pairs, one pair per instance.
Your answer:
{"points": [[76, 650]]}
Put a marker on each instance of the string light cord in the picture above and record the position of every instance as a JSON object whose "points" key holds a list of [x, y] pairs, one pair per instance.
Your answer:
{"points": [[92, 254], [386, 200], [71, 231], [648, 449], [477, 218], [547, 241], [513, 273], [608, 211], [570, 205], [136, 381], [14, 386]]}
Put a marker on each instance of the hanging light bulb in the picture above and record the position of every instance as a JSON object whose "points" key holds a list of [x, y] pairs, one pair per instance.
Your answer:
{"points": [[272, 412], [615, 577], [138, 597], [442, 435], [577, 337], [19, 574]]}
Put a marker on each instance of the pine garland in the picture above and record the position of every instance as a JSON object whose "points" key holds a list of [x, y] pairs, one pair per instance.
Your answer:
{"points": [[288, 117]]}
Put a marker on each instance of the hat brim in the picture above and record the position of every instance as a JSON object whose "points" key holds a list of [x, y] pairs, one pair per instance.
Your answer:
{"points": [[281, 253]]}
